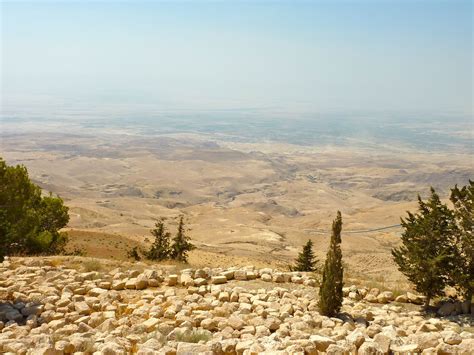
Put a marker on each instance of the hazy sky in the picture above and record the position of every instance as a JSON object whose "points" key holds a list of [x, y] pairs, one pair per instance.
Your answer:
{"points": [[317, 55]]}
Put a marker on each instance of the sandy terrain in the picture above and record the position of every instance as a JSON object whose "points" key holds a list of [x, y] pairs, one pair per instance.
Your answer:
{"points": [[245, 202]]}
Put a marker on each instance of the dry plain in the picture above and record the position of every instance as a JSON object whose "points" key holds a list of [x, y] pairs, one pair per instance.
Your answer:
{"points": [[245, 201]]}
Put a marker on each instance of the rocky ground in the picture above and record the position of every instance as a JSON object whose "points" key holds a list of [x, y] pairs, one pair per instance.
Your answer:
{"points": [[49, 306]]}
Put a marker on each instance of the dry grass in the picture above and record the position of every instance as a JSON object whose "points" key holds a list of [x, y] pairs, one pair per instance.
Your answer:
{"points": [[92, 265], [194, 336], [359, 279], [100, 245], [56, 262]]}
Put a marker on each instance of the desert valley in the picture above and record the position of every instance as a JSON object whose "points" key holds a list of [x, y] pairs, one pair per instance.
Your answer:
{"points": [[228, 177], [250, 194]]}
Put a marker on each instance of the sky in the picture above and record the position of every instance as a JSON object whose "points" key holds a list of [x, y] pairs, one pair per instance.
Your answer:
{"points": [[310, 55]]}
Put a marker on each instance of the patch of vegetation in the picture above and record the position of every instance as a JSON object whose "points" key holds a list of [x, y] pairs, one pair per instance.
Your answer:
{"points": [[438, 245], [134, 254], [91, 265], [194, 336], [30, 223], [163, 248]]}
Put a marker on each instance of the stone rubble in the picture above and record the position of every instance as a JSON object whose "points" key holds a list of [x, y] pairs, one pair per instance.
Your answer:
{"points": [[58, 310]]}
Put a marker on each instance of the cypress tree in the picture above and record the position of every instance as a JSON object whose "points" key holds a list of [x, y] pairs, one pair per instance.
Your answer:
{"points": [[181, 243], [160, 250], [427, 253], [463, 274], [330, 291], [306, 260]]}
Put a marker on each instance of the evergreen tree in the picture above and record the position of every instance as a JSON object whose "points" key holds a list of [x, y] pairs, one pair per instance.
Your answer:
{"points": [[330, 291], [181, 243], [160, 250], [306, 260], [29, 222], [428, 251], [463, 273]]}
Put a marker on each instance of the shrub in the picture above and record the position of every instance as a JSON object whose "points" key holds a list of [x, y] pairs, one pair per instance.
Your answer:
{"points": [[134, 254], [91, 265]]}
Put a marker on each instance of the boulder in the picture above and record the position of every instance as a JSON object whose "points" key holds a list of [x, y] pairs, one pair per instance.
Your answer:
{"points": [[405, 349], [356, 338], [466, 346], [218, 280], [172, 280], [385, 297], [321, 342], [415, 299], [402, 299], [192, 348], [383, 342], [371, 348], [82, 308], [450, 337], [240, 275], [150, 324], [235, 322]]}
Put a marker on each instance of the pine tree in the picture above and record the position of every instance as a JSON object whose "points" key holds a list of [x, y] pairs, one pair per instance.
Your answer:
{"points": [[463, 273], [330, 292], [428, 251], [160, 250], [181, 243], [306, 260]]}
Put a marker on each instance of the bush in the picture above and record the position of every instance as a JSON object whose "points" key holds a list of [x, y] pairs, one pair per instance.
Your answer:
{"points": [[92, 265], [134, 254], [29, 222]]}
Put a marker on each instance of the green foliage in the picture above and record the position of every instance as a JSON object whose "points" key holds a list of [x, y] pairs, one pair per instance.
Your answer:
{"points": [[29, 222], [463, 273], [181, 244], [428, 250], [306, 260], [160, 250], [134, 254], [330, 291]]}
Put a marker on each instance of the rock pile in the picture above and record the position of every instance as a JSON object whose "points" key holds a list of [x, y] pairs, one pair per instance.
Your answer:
{"points": [[59, 310]]}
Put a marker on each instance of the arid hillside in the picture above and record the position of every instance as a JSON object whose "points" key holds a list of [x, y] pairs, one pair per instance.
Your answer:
{"points": [[245, 201]]}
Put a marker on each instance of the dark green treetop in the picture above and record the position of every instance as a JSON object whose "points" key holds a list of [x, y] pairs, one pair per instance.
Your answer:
{"points": [[330, 291], [427, 252], [181, 243], [306, 260]]}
